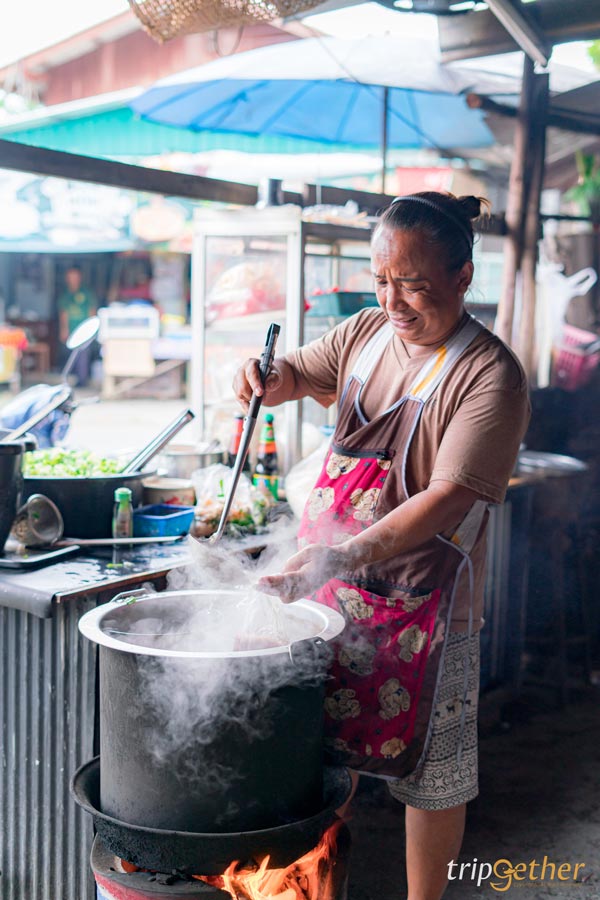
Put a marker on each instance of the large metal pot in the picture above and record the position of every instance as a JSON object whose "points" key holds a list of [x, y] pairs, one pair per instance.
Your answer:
{"points": [[11, 479], [212, 739], [560, 484], [10, 486], [86, 504], [28, 441]]}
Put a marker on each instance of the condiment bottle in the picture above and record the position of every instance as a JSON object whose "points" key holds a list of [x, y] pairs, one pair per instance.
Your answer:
{"points": [[122, 523], [234, 444], [266, 471]]}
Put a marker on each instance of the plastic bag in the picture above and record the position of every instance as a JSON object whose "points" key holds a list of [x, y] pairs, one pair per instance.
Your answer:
{"points": [[301, 478], [248, 510], [556, 292], [262, 622]]}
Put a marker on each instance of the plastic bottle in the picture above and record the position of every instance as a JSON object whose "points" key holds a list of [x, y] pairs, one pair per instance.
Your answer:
{"points": [[234, 444], [266, 471], [122, 523]]}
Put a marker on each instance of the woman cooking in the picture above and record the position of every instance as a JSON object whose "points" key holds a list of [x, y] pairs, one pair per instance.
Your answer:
{"points": [[431, 410]]}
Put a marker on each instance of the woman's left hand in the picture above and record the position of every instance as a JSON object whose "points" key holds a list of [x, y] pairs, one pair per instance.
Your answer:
{"points": [[304, 572]]}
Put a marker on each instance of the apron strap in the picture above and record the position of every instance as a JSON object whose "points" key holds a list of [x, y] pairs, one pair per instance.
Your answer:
{"points": [[466, 534], [434, 371], [437, 367], [463, 540], [371, 352]]}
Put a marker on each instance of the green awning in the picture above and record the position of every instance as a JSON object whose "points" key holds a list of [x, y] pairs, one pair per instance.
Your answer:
{"points": [[118, 133]]}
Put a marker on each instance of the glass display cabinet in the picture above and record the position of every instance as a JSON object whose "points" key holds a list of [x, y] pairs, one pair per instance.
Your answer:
{"points": [[251, 267]]}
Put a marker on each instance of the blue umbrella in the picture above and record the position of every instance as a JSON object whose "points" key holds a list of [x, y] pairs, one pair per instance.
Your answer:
{"points": [[373, 92]]}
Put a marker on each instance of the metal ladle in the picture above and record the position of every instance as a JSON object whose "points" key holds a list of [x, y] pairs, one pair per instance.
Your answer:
{"points": [[266, 361]]}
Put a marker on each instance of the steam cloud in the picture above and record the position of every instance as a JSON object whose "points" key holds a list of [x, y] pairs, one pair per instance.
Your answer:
{"points": [[197, 699]]}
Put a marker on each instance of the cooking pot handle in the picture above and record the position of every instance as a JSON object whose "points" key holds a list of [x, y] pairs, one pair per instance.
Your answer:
{"points": [[131, 596], [312, 652]]}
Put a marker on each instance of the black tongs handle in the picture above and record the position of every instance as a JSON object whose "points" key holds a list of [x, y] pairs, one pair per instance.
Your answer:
{"points": [[266, 361]]}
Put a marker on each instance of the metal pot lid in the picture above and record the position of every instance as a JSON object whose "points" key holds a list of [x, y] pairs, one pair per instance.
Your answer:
{"points": [[168, 624]]}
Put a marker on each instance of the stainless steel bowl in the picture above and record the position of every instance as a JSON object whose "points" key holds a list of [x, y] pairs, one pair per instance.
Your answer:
{"points": [[180, 460]]}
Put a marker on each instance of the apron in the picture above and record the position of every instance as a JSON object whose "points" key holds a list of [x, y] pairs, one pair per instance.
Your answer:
{"points": [[388, 659]]}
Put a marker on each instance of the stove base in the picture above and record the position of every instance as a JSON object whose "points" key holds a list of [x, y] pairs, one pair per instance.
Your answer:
{"points": [[114, 884]]}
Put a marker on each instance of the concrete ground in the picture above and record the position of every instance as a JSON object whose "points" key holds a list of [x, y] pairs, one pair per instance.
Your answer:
{"points": [[539, 796], [539, 765]]}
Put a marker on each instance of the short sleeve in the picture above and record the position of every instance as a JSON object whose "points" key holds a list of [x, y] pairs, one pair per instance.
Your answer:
{"points": [[480, 445], [320, 367], [315, 369]]}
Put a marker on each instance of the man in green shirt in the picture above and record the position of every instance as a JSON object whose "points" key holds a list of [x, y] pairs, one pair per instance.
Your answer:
{"points": [[76, 304]]}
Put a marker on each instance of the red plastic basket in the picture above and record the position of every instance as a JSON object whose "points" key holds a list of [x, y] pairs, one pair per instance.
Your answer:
{"points": [[572, 364]]}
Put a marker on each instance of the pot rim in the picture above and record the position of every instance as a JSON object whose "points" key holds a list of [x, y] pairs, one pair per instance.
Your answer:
{"points": [[333, 624], [190, 450]]}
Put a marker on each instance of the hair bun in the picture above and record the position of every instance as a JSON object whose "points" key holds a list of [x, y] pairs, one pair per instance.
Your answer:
{"points": [[471, 206]]}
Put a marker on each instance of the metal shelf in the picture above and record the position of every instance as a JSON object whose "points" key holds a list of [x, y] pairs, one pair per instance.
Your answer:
{"points": [[299, 239]]}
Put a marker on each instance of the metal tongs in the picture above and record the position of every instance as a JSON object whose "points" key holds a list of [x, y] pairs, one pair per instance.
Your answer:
{"points": [[157, 443], [266, 361]]}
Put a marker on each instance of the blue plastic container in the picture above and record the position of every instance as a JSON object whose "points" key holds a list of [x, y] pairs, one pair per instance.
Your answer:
{"points": [[162, 520], [340, 303]]}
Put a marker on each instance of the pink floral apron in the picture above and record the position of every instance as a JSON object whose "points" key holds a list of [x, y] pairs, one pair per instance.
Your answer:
{"points": [[380, 698]]}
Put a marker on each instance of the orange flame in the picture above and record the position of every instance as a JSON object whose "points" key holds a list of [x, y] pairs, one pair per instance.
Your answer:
{"points": [[309, 878]]}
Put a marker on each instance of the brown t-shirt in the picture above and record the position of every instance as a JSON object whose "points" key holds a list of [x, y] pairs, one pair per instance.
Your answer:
{"points": [[470, 429]]}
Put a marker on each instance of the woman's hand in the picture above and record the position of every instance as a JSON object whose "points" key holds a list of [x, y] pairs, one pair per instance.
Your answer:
{"points": [[305, 572], [441, 507], [247, 381]]}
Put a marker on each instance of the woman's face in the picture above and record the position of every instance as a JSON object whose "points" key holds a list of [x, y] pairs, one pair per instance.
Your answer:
{"points": [[420, 297]]}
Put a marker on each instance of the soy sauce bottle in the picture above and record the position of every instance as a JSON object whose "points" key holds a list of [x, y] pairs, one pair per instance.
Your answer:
{"points": [[266, 471], [122, 522], [234, 444]]}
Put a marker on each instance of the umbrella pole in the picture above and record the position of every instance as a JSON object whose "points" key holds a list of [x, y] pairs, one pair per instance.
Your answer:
{"points": [[384, 136]]}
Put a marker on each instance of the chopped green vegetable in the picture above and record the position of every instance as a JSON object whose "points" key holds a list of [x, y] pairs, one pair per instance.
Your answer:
{"points": [[59, 463]]}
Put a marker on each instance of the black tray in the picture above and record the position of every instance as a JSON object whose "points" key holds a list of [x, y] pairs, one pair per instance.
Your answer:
{"points": [[35, 559]]}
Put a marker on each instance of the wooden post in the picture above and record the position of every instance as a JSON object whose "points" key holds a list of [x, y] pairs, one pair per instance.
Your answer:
{"points": [[515, 208], [384, 135], [526, 346]]}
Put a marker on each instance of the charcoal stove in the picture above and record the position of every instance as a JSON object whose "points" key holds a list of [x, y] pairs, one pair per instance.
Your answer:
{"points": [[167, 860], [114, 883]]}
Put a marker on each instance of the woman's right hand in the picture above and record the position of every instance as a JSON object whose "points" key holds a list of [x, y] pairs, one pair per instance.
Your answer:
{"points": [[247, 381]]}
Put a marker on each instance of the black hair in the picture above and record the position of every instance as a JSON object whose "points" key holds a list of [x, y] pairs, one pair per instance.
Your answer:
{"points": [[444, 219]]}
